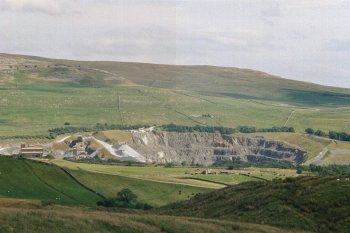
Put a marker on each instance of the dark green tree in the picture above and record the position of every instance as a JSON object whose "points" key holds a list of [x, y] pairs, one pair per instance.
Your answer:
{"points": [[309, 131], [299, 171], [126, 196], [320, 133]]}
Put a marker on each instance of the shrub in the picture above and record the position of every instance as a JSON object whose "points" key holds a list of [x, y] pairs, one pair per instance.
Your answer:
{"points": [[169, 165], [126, 195], [109, 202], [309, 131], [320, 133]]}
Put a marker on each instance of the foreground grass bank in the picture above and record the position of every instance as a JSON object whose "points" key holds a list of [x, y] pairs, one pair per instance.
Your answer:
{"points": [[315, 203], [31, 217]]}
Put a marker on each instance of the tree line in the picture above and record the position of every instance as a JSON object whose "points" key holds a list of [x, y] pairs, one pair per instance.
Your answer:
{"points": [[24, 137], [248, 129], [238, 164], [223, 130], [341, 136], [197, 128], [98, 127], [332, 169], [69, 129]]}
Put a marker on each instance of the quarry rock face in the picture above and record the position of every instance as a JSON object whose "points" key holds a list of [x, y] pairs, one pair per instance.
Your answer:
{"points": [[207, 148]]}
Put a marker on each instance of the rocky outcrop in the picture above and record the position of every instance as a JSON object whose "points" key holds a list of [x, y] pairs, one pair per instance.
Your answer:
{"points": [[206, 148]]}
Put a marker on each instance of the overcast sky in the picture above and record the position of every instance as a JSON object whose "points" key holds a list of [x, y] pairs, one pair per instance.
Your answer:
{"points": [[298, 39]]}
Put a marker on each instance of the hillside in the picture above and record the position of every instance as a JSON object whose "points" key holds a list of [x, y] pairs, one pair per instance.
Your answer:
{"points": [[37, 94], [30, 180], [319, 204], [31, 217], [26, 179]]}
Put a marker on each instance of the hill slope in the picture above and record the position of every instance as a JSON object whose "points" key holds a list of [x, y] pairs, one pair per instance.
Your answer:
{"points": [[31, 217], [228, 81], [38, 93], [30, 180], [310, 203]]}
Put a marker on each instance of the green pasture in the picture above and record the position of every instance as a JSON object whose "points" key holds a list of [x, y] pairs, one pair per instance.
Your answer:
{"points": [[175, 175], [151, 192], [30, 180], [34, 101]]}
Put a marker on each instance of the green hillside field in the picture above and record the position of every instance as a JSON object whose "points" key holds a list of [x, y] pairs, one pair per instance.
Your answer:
{"points": [[37, 94], [28, 179], [186, 176], [31, 180], [150, 192], [31, 217], [317, 204]]}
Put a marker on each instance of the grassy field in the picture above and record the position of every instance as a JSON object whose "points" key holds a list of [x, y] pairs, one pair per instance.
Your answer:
{"points": [[29, 217], [148, 173], [338, 153], [150, 192], [342, 158], [156, 186], [180, 175], [35, 99], [31, 180], [248, 174], [113, 136]]}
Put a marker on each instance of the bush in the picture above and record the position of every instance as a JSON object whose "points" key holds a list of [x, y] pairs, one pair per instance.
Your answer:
{"points": [[320, 133], [126, 196], [309, 131], [143, 206], [49, 156], [106, 202], [169, 165], [299, 171], [125, 199]]}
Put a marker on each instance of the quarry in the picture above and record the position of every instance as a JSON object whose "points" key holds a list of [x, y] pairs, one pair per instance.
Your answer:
{"points": [[153, 146]]}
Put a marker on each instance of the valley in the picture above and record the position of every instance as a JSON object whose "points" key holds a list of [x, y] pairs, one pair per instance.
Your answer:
{"points": [[224, 147]]}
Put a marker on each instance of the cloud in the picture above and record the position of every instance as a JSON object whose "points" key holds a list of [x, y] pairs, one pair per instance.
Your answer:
{"points": [[305, 40], [271, 12], [338, 45], [49, 7]]}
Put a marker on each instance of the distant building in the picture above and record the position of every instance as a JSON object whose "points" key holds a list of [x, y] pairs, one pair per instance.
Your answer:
{"points": [[27, 150]]}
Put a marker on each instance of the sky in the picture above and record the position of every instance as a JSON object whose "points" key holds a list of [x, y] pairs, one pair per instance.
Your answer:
{"points": [[306, 40]]}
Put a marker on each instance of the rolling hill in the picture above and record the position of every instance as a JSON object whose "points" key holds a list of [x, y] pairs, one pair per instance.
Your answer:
{"points": [[85, 185], [38, 197], [37, 94], [29, 180], [31, 217], [317, 204]]}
